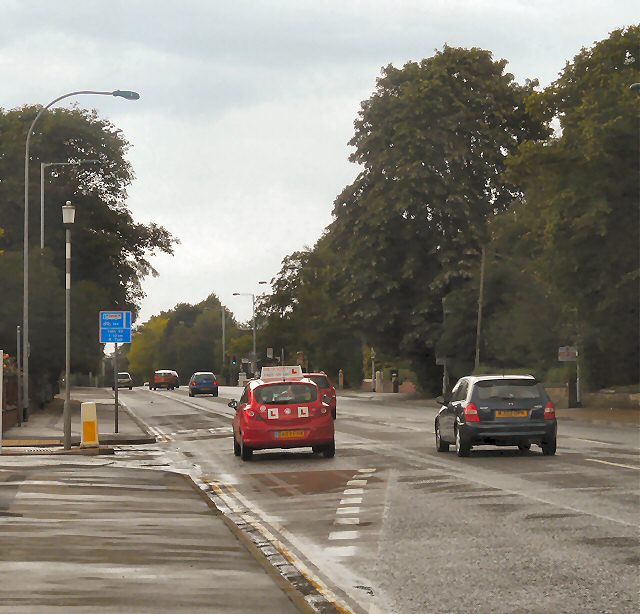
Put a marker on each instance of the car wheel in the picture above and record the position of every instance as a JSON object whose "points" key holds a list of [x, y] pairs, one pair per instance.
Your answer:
{"points": [[246, 453], [316, 449], [463, 447], [329, 451], [549, 447], [215, 394], [236, 447], [441, 446], [524, 447], [191, 394], [130, 387]]}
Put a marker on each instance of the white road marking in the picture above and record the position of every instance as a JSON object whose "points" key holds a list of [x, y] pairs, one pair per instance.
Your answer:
{"points": [[366, 470], [357, 483], [343, 535], [347, 521], [350, 500], [354, 491], [341, 550], [348, 510], [595, 460]]}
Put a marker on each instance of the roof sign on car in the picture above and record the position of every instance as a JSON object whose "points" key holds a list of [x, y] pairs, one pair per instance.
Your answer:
{"points": [[281, 373]]}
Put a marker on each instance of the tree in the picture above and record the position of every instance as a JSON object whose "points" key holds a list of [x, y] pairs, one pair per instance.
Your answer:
{"points": [[111, 251], [432, 141], [581, 214]]}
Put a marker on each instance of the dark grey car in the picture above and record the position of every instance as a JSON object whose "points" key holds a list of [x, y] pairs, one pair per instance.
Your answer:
{"points": [[496, 410]]}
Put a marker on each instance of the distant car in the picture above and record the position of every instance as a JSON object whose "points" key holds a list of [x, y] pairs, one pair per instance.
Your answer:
{"points": [[124, 381], [203, 382], [164, 379], [327, 389], [496, 410]]}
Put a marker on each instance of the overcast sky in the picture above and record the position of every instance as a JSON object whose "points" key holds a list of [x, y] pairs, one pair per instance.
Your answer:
{"points": [[240, 136]]}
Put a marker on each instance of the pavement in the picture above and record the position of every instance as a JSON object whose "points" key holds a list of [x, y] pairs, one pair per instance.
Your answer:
{"points": [[45, 427], [120, 533], [97, 534]]}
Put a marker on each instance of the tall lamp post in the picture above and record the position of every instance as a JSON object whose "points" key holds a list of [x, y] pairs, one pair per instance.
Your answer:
{"points": [[43, 167], [126, 94], [68, 218], [253, 303]]}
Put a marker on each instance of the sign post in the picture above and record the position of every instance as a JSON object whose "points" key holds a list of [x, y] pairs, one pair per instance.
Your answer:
{"points": [[1, 394], [569, 353], [115, 327]]}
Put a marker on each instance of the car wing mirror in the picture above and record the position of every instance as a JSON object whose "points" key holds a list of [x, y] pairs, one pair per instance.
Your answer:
{"points": [[233, 404], [443, 400]]}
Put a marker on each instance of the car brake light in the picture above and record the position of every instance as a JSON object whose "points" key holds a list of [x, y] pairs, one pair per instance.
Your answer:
{"points": [[471, 413], [215, 383], [550, 411]]}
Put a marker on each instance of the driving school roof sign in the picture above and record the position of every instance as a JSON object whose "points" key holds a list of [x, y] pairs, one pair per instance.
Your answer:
{"points": [[281, 373], [115, 327]]}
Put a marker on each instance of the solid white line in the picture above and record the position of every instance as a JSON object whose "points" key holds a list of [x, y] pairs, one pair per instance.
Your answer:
{"points": [[595, 460]]}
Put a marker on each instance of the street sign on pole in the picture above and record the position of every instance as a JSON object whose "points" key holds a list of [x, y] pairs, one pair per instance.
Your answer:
{"points": [[568, 353], [115, 327], [269, 352]]}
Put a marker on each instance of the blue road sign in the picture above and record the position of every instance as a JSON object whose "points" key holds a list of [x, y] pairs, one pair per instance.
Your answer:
{"points": [[115, 327]]}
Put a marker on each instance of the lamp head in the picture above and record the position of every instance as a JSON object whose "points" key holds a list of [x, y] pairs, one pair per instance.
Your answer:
{"points": [[128, 94], [68, 214]]}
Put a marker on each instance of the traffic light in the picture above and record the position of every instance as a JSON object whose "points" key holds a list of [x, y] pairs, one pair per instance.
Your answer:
{"points": [[234, 361]]}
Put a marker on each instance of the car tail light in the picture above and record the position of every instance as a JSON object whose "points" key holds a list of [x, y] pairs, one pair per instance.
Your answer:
{"points": [[550, 411], [215, 383], [471, 413]]}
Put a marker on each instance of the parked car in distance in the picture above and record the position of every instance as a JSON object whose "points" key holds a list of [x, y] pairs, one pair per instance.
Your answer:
{"points": [[203, 382], [496, 410], [327, 389], [164, 378], [124, 381]]}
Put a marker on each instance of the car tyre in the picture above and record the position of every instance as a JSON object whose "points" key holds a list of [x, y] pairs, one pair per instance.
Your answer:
{"points": [[316, 449], [215, 394], [524, 447], [246, 453], [329, 451], [236, 447], [130, 387], [190, 394], [463, 446], [334, 414], [441, 446], [549, 447]]}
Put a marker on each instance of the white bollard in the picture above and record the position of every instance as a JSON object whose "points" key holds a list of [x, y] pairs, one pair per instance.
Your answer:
{"points": [[89, 431], [379, 382]]}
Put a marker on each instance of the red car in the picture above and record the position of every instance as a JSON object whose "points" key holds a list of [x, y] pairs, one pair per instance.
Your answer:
{"points": [[282, 413], [164, 379], [327, 389]]}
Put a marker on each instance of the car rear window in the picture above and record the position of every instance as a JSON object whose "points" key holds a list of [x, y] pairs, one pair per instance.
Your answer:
{"points": [[320, 380], [508, 389], [278, 394], [123, 375], [202, 378]]}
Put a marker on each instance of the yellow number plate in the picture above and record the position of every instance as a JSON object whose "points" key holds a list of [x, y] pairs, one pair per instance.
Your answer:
{"points": [[289, 434], [512, 413]]}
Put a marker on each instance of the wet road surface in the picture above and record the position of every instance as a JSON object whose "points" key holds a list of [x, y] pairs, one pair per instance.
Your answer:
{"points": [[390, 525]]}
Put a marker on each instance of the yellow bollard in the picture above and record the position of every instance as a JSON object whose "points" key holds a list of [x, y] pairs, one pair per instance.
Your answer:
{"points": [[89, 418]]}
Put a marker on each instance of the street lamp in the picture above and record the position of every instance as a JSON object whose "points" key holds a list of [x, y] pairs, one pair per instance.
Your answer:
{"points": [[68, 218], [126, 94], [43, 166], [253, 303]]}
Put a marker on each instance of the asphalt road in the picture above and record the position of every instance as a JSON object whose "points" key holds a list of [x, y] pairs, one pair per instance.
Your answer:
{"points": [[390, 525]]}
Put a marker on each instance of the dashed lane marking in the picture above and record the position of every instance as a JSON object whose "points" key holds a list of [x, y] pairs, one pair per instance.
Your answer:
{"points": [[343, 535], [348, 510], [347, 521], [354, 491], [357, 483], [350, 500]]}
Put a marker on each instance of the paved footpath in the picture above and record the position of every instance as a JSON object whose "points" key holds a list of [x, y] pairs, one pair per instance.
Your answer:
{"points": [[120, 533]]}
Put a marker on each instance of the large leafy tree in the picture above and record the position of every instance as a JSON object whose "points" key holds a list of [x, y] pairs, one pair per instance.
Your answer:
{"points": [[581, 215], [111, 251], [432, 141]]}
